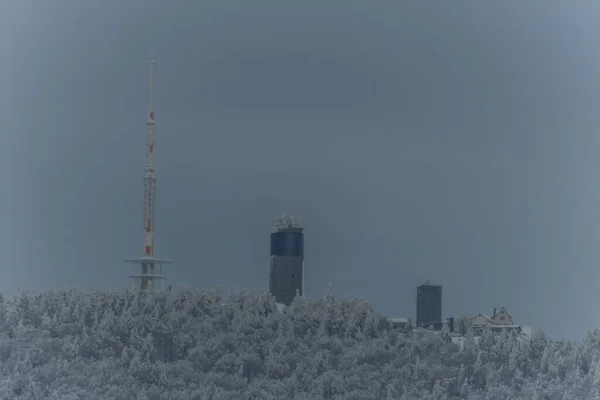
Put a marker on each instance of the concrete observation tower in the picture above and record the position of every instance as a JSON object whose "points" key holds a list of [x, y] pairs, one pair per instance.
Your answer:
{"points": [[286, 273]]}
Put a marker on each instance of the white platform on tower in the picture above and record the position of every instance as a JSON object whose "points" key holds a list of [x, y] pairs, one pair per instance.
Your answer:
{"points": [[148, 260], [149, 276]]}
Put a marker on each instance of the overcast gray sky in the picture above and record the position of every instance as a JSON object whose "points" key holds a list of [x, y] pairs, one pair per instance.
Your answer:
{"points": [[456, 142]]}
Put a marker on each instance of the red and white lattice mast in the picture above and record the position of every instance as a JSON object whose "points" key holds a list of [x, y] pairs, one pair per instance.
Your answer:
{"points": [[148, 262]]}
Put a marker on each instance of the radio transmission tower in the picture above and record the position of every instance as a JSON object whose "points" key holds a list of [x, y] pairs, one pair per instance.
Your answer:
{"points": [[151, 266]]}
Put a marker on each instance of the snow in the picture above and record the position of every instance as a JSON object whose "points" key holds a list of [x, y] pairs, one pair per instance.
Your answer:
{"points": [[189, 344], [280, 307], [526, 331]]}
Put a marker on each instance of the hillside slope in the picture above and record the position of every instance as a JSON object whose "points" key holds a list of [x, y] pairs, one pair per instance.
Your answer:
{"points": [[188, 344]]}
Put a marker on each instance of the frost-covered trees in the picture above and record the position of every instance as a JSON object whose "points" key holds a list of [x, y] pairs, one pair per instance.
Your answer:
{"points": [[188, 344]]}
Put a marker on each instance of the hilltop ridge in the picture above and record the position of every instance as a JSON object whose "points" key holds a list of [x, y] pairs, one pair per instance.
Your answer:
{"points": [[189, 344]]}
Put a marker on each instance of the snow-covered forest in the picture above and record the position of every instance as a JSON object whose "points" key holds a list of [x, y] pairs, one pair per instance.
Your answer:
{"points": [[191, 344]]}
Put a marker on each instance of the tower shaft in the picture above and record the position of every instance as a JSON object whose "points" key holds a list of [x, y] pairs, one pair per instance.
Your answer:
{"points": [[150, 179], [147, 283], [286, 272]]}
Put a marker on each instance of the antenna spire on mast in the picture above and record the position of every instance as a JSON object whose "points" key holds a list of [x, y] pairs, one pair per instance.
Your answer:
{"points": [[151, 105]]}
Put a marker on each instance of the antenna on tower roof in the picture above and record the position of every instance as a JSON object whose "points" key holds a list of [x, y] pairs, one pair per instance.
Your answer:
{"points": [[284, 221]]}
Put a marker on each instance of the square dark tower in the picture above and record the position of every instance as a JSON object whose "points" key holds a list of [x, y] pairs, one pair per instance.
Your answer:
{"points": [[429, 304], [286, 273]]}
